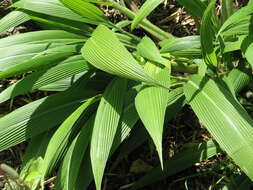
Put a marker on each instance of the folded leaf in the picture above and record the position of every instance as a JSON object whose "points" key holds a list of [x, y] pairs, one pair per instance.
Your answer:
{"points": [[72, 161], [151, 103], [61, 138], [105, 126]]}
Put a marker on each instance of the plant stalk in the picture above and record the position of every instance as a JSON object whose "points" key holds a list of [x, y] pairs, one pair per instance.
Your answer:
{"points": [[145, 24]]}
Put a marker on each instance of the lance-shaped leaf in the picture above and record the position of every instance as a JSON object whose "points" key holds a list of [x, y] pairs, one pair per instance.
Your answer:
{"points": [[117, 60], [238, 23], [72, 161], [207, 36], [68, 68], [105, 126], [85, 9], [144, 11], [12, 19], [32, 119], [51, 8], [189, 46], [39, 37], [60, 140], [151, 103], [46, 59], [224, 118]]}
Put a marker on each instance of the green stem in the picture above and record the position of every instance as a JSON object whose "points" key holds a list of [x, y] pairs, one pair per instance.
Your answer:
{"points": [[145, 24], [182, 68]]}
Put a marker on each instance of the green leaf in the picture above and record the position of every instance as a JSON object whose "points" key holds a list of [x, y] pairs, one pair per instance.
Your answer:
{"points": [[46, 59], [237, 79], [60, 140], [178, 163], [52, 8], [98, 51], [227, 9], [207, 36], [38, 37], [224, 118], [151, 103], [105, 127], [16, 54], [66, 69], [12, 19], [247, 48], [144, 11], [32, 119], [72, 161], [64, 84], [86, 10], [239, 23], [189, 46], [195, 7], [147, 48]]}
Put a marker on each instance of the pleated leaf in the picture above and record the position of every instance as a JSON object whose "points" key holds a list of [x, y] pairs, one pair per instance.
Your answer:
{"points": [[85, 9], [33, 118], [38, 37], [16, 54], [144, 11], [237, 79], [128, 120], [51, 8], [189, 46], [12, 19], [64, 84], [151, 103], [224, 118], [104, 51], [72, 161], [45, 77], [239, 22], [207, 36], [178, 163], [46, 59], [105, 126], [60, 140], [139, 134]]}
